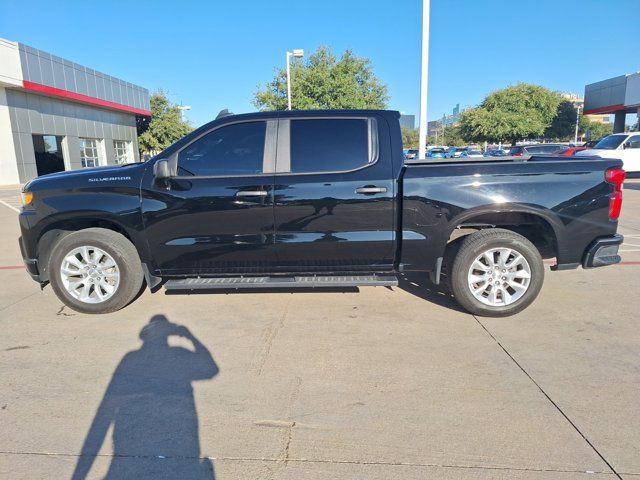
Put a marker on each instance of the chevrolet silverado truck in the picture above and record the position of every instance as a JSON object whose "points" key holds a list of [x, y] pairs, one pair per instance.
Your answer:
{"points": [[317, 199]]}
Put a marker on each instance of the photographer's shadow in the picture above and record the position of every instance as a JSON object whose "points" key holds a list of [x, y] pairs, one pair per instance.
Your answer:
{"points": [[150, 404]]}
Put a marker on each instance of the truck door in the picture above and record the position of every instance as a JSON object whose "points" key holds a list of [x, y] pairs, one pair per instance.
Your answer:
{"points": [[630, 154], [216, 215], [334, 194]]}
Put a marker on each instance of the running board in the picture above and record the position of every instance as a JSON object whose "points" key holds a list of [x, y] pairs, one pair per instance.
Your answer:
{"points": [[282, 282]]}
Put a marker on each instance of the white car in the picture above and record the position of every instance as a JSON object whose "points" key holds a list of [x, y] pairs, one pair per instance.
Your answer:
{"points": [[625, 146], [472, 153]]}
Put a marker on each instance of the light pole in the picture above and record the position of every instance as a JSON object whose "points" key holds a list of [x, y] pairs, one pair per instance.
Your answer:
{"points": [[297, 53], [575, 137], [424, 80], [182, 109]]}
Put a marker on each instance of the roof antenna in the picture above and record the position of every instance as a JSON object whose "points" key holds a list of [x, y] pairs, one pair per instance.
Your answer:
{"points": [[224, 113]]}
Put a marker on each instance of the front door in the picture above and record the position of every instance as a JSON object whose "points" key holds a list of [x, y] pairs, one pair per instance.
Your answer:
{"points": [[216, 215], [631, 154], [334, 195]]}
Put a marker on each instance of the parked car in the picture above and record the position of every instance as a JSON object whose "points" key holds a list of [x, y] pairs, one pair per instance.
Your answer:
{"points": [[471, 153], [333, 205], [625, 146], [495, 152], [411, 154], [570, 151], [436, 153], [538, 149], [455, 152]]}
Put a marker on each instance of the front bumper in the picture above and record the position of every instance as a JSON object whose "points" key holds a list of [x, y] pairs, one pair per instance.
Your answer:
{"points": [[603, 252], [30, 263]]}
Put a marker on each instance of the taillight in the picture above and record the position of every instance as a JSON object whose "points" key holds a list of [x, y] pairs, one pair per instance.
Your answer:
{"points": [[517, 154], [615, 176]]}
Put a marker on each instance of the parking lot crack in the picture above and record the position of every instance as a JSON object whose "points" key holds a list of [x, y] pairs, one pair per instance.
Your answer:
{"points": [[548, 397], [269, 337]]}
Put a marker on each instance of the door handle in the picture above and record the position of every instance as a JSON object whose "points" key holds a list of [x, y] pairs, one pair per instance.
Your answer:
{"points": [[371, 190], [252, 193]]}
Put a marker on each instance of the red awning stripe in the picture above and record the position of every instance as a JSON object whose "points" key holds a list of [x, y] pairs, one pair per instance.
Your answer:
{"points": [[78, 97], [609, 109]]}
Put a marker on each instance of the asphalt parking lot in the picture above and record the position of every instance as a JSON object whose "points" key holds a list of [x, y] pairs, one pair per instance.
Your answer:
{"points": [[370, 384]]}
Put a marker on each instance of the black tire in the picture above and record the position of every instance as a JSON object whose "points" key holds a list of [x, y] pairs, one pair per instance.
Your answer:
{"points": [[123, 253], [474, 245]]}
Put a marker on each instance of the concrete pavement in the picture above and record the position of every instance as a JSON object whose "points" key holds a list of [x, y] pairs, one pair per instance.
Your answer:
{"points": [[380, 384]]}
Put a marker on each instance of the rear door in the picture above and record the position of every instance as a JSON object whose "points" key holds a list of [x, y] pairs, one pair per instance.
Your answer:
{"points": [[334, 195]]}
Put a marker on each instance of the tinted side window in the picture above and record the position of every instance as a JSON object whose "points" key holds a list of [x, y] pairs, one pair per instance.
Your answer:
{"points": [[232, 150], [329, 145], [634, 142]]}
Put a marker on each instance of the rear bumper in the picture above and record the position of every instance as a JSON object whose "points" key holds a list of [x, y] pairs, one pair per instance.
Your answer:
{"points": [[30, 263], [603, 252]]}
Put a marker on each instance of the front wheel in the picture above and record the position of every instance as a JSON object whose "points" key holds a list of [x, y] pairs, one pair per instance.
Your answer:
{"points": [[95, 271], [496, 273]]}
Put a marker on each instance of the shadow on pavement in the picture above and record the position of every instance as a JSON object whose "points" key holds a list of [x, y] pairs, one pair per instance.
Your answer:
{"points": [[420, 286], [151, 408]]}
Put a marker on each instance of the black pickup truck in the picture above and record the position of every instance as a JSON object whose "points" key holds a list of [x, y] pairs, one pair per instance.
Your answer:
{"points": [[317, 199]]}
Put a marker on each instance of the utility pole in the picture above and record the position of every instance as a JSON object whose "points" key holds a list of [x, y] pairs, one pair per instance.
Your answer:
{"points": [[424, 80]]}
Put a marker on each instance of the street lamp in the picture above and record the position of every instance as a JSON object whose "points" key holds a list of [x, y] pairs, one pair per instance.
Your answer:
{"points": [[424, 80], [297, 53], [182, 108], [575, 137]]}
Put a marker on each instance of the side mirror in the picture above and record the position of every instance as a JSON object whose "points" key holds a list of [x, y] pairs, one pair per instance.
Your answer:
{"points": [[161, 170]]}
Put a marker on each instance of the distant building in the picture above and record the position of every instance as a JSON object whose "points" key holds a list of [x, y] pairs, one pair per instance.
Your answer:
{"points": [[436, 127], [57, 115], [579, 102], [408, 121]]}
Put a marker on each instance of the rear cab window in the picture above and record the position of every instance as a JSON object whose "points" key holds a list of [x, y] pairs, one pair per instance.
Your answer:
{"points": [[330, 144]]}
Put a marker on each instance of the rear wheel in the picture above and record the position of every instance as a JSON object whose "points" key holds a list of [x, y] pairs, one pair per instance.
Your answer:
{"points": [[496, 273], [95, 271]]}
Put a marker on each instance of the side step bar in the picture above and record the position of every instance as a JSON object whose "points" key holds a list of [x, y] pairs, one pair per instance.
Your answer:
{"points": [[282, 282]]}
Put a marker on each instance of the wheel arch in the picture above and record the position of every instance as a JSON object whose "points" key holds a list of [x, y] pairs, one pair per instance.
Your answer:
{"points": [[539, 228], [58, 229]]}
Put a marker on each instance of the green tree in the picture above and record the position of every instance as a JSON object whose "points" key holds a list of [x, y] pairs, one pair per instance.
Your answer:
{"points": [[452, 136], [166, 125], [516, 112], [596, 130], [324, 82], [563, 125], [410, 137]]}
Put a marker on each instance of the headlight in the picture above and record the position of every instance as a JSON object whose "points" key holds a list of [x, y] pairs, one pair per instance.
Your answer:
{"points": [[27, 198]]}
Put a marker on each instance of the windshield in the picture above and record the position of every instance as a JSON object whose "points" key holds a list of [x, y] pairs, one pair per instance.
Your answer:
{"points": [[611, 142], [474, 152]]}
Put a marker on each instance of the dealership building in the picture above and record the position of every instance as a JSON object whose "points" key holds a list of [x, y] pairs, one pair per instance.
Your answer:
{"points": [[57, 115], [619, 96]]}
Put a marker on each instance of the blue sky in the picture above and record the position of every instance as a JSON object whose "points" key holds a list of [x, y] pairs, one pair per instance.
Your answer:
{"points": [[214, 54]]}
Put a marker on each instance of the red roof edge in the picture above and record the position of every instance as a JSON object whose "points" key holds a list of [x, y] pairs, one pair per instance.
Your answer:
{"points": [[609, 109], [78, 97]]}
